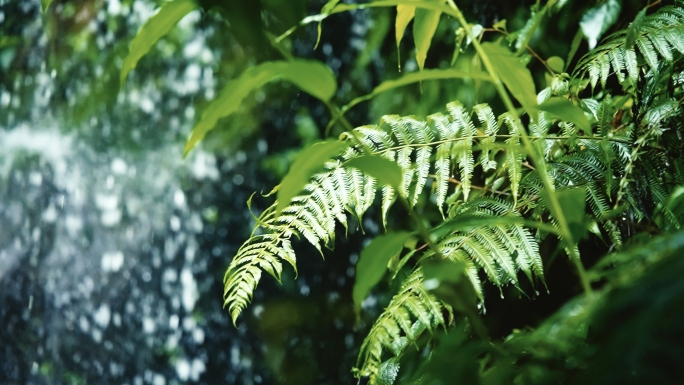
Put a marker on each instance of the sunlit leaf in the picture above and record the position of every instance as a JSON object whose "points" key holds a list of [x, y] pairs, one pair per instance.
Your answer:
{"points": [[313, 77], [405, 14], [154, 29], [514, 75], [555, 63], [566, 111], [307, 163], [424, 27], [597, 20], [373, 261], [382, 169]]}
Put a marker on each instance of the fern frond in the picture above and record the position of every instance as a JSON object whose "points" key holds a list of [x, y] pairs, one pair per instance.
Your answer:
{"points": [[492, 248], [443, 145], [422, 170], [463, 149], [604, 116], [656, 37], [410, 312], [440, 124], [514, 157], [260, 252], [487, 118], [327, 199], [540, 127]]}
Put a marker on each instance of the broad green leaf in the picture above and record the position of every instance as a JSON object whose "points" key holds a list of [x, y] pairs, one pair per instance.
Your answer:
{"points": [[311, 76], [424, 27], [633, 29], [597, 20], [405, 14], [566, 111], [572, 202], [435, 5], [373, 261], [384, 170], [514, 74], [45, 4], [154, 29], [308, 161], [555, 63], [415, 77], [339, 8]]}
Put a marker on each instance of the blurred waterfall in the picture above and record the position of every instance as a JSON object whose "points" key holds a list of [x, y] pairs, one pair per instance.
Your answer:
{"points": [[98, 262]]}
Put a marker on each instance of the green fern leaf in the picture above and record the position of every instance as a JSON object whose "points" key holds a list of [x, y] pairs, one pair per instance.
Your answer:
{"points": [[244, 272], [388, 192], [462, 150], [618, 62], [654, 35], [440, 124], [487, 118], [411, 311], [417, 147], [422, 167], [631, 64], [647, 50], [662, 46], [513, 155]]}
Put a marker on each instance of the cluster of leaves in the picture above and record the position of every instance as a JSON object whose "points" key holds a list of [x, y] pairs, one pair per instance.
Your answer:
{"points": [[579, 163]]}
